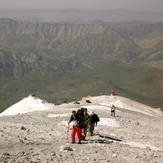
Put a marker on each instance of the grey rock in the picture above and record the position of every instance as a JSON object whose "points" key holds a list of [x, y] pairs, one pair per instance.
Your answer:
{"points": [[23, 128], [68, 149]]}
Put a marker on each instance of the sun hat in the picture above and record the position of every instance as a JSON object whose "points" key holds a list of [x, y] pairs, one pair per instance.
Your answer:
{"points": [[91, 113]]}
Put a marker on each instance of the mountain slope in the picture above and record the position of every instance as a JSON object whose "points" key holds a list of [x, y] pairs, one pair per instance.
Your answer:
{"points": [[59, 47], [133, 135], [148, 37], [108, 44]]}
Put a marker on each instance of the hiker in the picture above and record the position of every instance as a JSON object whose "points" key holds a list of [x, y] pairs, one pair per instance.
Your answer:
{"points": [[64, 102], [76, 102], [77, 126], [93, 121], [85, 124], [113, 110], [113, 93]]}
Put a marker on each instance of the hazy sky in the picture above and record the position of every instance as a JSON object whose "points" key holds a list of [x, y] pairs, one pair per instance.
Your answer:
{"points": [[142, 5]]}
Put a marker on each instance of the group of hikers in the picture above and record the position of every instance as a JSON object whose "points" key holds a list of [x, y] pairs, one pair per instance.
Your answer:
{"points": [[82, 122]]}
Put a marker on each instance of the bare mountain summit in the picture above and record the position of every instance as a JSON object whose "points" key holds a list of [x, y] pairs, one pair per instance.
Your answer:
{"points": [[133, 135]]}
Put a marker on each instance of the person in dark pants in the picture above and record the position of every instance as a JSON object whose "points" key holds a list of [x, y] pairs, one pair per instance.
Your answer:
{"points": [[93, 121], [113, 110], [86, 122]]}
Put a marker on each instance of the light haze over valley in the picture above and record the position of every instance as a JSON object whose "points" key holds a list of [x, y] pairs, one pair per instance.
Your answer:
{"points": [[107, 52], [139, 5]]}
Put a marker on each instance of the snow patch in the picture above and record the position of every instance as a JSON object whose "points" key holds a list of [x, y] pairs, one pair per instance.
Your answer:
{"points": [[63, 123], [131, 105], [32, 103], [143, 146], [58, 115], [108, 122], [26, 105]]}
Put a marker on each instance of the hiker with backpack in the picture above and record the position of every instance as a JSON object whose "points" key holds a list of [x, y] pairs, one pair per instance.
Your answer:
{"points": [[77, 126], [113, 110], [85, 124], [92, 122]]}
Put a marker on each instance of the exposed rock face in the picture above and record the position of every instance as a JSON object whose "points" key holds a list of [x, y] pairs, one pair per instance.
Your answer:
{"points": [[30, 47]]}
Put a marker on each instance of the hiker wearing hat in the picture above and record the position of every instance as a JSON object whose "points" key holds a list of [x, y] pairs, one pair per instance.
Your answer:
{"points": [[113, 110], [85, 124], [93, 121]]}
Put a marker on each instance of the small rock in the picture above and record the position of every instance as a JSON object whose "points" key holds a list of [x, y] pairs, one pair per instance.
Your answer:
{"points": [[21, 140], [67, 149], [114, 156], [6, 154], [148, 148], [53, 154], [23, 128]]}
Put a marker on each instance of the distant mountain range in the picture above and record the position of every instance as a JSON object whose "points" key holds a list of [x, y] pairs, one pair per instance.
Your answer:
{"points": [[72, 15], [32, 47], [29, 47], [147, 36]]}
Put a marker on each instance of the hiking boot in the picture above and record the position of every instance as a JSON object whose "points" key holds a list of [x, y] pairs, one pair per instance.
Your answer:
{"points": [[72, 142], [83, 138], [91, 133]]}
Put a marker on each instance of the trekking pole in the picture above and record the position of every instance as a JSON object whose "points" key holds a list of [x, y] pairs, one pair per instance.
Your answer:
{"points": [[89, 135], [88, 132], [67, 132]]}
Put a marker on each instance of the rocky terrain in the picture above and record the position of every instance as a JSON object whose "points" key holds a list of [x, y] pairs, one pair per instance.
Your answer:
{"points": [[41, 134]]}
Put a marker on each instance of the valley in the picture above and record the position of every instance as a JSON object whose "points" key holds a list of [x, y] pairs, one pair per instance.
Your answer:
{"points": [[61, 61]]}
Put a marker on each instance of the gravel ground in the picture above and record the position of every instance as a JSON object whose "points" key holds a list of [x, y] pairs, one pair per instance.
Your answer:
{"points": [[41, 137]]}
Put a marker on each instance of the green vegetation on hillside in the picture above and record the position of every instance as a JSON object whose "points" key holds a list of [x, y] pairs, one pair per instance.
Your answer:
{"points": [[129, 81]]}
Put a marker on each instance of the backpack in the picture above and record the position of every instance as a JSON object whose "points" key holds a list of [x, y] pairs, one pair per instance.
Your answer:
{"points": [[80, 115], [80, 112], [113, 108], [94, 118]]}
